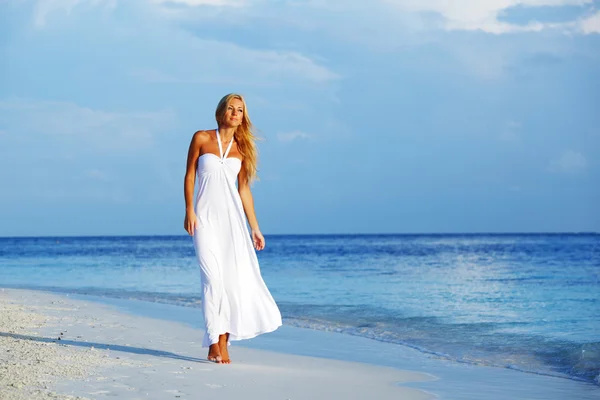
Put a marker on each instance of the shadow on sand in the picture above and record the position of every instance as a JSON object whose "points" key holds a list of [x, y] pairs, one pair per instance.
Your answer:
{"points": [[104, 346]]}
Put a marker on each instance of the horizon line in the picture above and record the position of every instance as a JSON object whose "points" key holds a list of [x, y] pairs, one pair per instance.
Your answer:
{"points": [[315, 234]]}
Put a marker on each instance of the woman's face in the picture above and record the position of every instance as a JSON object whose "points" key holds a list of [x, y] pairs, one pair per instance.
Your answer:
{"points": [[234, 113]]}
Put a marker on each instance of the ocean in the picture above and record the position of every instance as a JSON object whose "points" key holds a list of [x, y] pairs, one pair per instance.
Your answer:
{"points": [[529, 302]]}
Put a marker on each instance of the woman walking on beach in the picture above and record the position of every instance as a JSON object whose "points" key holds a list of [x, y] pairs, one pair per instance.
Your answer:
{"points": [[235, 300]]}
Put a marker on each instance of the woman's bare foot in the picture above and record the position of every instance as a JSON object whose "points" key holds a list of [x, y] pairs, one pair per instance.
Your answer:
{"points": [[214, 353], [223, 348]]}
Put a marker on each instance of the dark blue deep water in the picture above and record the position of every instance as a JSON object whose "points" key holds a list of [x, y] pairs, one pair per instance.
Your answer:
{"points": [[528, 302]]}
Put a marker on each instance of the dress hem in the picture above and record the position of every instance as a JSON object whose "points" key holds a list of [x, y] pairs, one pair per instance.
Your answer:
{"points": [[233, 337]]}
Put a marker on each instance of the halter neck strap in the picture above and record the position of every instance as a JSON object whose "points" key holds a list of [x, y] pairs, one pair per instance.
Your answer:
{"points": [[223, 156]]}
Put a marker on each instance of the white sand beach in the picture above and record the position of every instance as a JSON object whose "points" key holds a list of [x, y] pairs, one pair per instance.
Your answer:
{"points": [[106, 351]]}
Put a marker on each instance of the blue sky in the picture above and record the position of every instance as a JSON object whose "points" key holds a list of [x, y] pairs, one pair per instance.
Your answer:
{"points": [[405, 116]]}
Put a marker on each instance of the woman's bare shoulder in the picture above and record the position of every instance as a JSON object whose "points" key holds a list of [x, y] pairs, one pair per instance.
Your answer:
{"points": [[201, 137]]}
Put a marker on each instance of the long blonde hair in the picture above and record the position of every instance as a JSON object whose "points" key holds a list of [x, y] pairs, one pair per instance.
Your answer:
{"points": [[244, 135]]}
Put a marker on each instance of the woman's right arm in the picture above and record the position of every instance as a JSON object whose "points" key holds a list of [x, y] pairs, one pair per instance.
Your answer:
{"points": [[189, 222]]}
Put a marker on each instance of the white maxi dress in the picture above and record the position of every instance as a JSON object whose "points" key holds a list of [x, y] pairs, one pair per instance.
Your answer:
{"points": [[235, 298]]}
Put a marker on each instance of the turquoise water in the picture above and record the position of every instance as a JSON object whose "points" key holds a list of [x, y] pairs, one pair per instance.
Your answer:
{"points": [[526, 302]]}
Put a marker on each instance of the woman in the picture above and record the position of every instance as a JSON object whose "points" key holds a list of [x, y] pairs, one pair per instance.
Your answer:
{"points": [[235, 300]]}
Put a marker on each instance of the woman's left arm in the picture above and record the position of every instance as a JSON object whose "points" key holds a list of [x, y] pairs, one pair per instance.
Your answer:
{"points": [[248, 203]]}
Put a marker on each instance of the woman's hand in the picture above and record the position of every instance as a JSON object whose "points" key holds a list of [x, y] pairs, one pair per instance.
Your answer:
{"points": [[258, 239], [189, 223]]}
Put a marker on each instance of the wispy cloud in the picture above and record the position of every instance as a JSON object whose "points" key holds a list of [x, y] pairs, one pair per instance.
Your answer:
{"points": [[569, 161], [43, 8], [472, 15], [455, 15], [160, 51], [69, 151], [510, 131], [291, 136], [230, 64], [82, 127], [590, 24]]}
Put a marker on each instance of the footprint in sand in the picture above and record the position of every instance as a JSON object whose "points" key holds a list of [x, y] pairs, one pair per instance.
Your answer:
{"points": [[123, 386], [214, 386], [174, 391]]}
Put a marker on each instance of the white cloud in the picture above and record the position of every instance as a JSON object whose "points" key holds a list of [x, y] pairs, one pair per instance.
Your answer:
{"points": [[154, 49], [452, 15], [65, 150], [82, 127], [469, 15], [43, 8], [277, 62], [590, 24], [183, 60], [570, 161], [291, 136], [481, 15]]}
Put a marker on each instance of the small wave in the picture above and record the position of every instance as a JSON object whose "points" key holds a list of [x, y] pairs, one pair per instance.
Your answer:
{"points": [[581, 376], [471, 343]]}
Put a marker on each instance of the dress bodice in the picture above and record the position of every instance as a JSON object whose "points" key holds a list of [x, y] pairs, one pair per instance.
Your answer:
{"points": [[209, 163]]}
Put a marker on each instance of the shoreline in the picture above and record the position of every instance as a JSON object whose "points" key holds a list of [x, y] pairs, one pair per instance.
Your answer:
{"points": [[141, 332], [120, 299], [112, 354]]}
